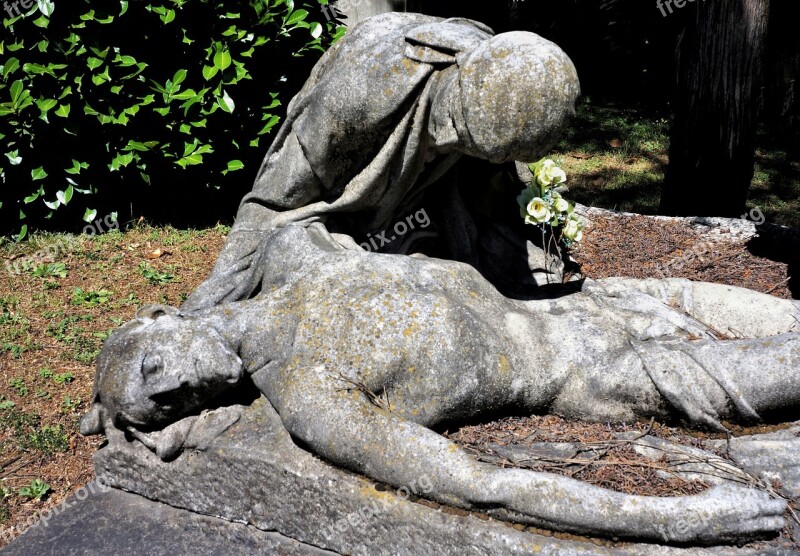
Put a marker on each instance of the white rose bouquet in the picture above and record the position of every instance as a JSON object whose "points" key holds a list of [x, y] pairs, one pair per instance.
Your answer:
{"points": [[541, 204]]}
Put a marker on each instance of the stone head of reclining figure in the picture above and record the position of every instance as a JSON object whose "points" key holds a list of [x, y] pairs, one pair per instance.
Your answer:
{"points": [[445, 346]]}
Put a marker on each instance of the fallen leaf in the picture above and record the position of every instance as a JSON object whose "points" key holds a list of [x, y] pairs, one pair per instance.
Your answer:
{"points": [[615, 143], [581, 156], [155, 254]]}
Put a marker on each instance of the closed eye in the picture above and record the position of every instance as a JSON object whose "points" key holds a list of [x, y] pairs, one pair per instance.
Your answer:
{"points": [[152, 365]]}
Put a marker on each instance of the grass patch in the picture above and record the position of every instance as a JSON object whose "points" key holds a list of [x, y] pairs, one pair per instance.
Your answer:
{"points": [[52, 328], [27, 432], [615, 158]]}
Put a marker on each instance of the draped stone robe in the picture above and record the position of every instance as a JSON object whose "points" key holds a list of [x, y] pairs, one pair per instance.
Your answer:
{"points": [[354, 152]]}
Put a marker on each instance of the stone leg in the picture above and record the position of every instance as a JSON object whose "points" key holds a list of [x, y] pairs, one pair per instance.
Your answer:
{"points": [[345, 428], [744, 381], [728, 310]]}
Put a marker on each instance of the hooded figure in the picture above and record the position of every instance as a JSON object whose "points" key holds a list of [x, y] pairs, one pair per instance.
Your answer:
{"points": [[386, 113]]}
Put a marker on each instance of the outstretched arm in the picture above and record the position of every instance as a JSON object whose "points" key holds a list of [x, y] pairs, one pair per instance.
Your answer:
{"points": [[346, 429]]}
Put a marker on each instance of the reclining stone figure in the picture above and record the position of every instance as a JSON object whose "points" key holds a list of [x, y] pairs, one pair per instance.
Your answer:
{"points": [[375, 132], [363, 354]]}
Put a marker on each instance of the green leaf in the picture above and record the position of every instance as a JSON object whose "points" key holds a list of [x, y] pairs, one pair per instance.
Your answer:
{"points": [[168, 17], [46, 104], [125, 61], [272, 121], [36, 69], [226, 102], [179, 77], [76, 167], [222, 59], [32, 197], [38, 174], [138, 146], [189, 148], [42, 22], [234, 165], [16, 90], [185, 95], [65, 196], [93, 62], [191, 160], [47, 7], [296, 18], [89, 215], [209, 72], [63, 110], [22, 232], [11, 65], [101, 78], [14, 158]]}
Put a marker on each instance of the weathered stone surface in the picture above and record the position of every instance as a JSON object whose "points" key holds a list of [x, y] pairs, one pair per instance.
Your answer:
{"points": [[362, 355], [123, 524], [374, 138], [772, 457], [254, 473]]}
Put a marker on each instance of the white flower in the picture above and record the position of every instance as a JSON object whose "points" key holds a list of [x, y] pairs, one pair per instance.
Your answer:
{"points": [[559, 202], [538, 211], [549, 174], [523, 199], [573, 229]]}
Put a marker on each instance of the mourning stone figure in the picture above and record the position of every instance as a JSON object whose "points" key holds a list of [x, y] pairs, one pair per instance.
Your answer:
{"points": [[385, 114], [362, 356], [362, 353]]}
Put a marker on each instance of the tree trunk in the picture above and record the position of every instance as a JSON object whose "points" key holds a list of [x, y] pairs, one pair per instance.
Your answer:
{"points": [[716, 108], [783, 71]]}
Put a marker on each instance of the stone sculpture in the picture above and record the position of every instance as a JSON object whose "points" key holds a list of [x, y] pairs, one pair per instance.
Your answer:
{"points": [[361, 353], [386, 113], [364, 355]]}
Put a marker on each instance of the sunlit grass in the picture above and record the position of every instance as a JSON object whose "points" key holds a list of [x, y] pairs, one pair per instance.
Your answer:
{"points": [[616, 157]]}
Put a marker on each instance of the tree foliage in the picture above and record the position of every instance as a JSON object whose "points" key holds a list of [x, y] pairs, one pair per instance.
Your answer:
{"points": [[112, 105]]}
